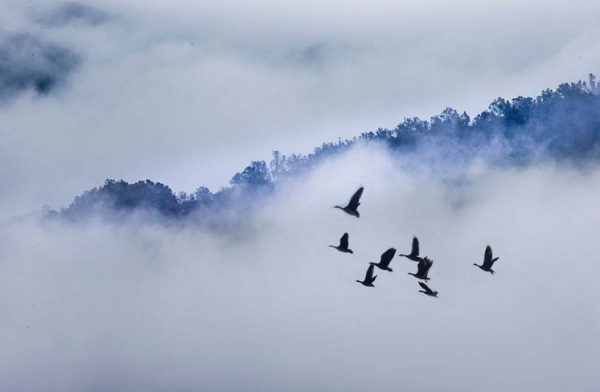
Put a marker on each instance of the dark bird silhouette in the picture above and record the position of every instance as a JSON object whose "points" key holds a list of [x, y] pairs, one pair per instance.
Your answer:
{"points": [[427, 291], [386, 259], [351, 208], [414, 253], [423, 269], [488, 261], [343, 247], [369, 278]]}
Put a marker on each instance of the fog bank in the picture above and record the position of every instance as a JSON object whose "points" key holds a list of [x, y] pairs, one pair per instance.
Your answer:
{"points": [[154, 308]]}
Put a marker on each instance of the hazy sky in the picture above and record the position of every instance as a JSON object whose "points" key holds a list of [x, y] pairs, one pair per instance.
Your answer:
{"points": [[189, 92]]}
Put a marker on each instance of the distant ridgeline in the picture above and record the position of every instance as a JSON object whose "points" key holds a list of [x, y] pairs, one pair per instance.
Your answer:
{"points": [[562, 125]]}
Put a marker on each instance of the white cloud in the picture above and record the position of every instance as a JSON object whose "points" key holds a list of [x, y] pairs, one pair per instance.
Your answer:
{"points": [[152, 308]]}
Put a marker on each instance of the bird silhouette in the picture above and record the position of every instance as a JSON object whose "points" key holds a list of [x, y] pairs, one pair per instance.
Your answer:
{"points": [[343, 247], [423, 269], [386, 259], [414, 253], [427, 291], [351, 208], [488, 261], [369, 278]]}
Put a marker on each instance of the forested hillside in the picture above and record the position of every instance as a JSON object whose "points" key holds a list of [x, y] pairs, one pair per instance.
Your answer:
{"points": [[561, 124]]}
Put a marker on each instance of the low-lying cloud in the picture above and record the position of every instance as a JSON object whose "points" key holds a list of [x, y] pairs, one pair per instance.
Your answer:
{"points": [[144, 307]]}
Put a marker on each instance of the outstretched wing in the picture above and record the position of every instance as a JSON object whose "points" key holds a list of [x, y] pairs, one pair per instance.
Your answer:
{"points": [[415, 247], [421, 267], [344, 241], [487, 258], [425, 287], [355, 200], [369, 275], [387, 257], [427, 266]]}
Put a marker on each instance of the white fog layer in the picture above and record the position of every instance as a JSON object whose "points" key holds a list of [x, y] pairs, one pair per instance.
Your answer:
{"points": [[146, 307]]}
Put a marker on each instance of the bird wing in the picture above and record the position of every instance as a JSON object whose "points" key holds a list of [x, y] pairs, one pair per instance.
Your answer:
{"points": [[415, 247], [387, 256], [425, 287], [355, 200], [421, 267], [487, 257], [369, 275], [344, 241], [428, 264]]}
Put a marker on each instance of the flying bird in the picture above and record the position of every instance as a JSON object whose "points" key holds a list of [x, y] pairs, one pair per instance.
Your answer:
{"points": [[423, 269], [343, 247], [351, 208], [488, 261], [427, 291], [386, 259], [369, 278], [414, 253]]}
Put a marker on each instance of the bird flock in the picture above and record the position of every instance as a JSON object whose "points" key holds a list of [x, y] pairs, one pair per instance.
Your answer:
{"points": [[424, 263]]}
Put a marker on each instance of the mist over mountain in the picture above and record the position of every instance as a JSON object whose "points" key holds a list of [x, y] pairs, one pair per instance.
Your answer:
{"points": [[185, 239], [559, 126], [263, 303]]}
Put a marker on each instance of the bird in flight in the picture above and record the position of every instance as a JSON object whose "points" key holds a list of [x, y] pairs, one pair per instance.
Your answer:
{"points": [[369, 278], [414, 253], [427, 291], [351, 208], [488, 261], [343, 247], [386, 259], [423, 269]]}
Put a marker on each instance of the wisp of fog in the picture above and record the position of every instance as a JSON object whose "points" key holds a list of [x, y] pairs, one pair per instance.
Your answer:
{"points": [[149, 307]]}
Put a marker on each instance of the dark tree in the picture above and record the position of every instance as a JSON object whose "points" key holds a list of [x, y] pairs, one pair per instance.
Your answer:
{"points": [[256, 174]]}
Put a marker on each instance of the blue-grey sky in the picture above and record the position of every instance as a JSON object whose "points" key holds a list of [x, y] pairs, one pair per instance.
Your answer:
{"points": [[189, 92]]}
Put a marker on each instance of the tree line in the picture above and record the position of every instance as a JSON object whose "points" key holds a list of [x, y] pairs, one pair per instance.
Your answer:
{"points": [[561, 124]]}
